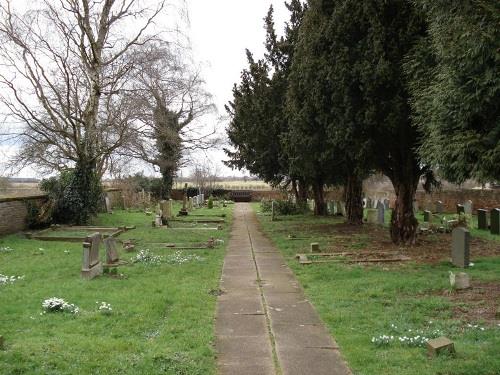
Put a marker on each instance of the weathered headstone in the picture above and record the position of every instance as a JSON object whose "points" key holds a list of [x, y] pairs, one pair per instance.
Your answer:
{"points": [[158, 221], [460, 209], [439, 207], [183, 211], [190, 204], [112, 256], [482, 219], [365, 203], [91, 264], [315, 247], [440, 345], [468, 207], [108, 205], [460, 247], [342, 208], [380, 213], [495, 221], [459, 280], [166, 210], [428, 216], [369, 203], [386, 204], [371, 216]]}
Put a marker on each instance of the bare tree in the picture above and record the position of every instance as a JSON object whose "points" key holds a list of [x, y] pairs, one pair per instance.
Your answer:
{"points": [[64, 64], [172, 100]]}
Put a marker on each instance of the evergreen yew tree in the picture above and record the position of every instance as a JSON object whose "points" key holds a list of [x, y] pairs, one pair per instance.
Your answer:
{"points": [[455, 79], [258, 124]]}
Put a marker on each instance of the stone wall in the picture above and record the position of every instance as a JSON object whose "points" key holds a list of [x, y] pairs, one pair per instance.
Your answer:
{"points": [[13, 213]]}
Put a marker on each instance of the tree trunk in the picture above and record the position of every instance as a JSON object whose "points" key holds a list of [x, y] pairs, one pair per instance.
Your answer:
{"points": [[353, 192], [403, 222], [302, 197], [319, 200], [167, 182], [294, 190]]}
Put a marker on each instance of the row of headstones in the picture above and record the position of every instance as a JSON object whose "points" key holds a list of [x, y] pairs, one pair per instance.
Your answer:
{"points": [[438, 208], [374, 203], [336, 208], [482, 218], [91, 262], [197, 201]]}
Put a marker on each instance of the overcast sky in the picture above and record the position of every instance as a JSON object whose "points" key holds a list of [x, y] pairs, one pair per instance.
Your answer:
{"points": [[220, 31]]}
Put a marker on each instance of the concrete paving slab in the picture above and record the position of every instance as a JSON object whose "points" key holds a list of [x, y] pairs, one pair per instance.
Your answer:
{"points": [[267, 327]]}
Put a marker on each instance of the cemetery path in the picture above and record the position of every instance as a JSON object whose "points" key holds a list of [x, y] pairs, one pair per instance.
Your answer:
{"points": [[264, 323]]}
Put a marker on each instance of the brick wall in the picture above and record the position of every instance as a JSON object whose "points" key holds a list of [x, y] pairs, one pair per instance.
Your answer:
{"points": [[13, 213]]}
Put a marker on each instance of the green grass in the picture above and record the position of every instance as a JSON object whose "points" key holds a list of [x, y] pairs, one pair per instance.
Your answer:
{"points": [[360, 302], [162, 320]]}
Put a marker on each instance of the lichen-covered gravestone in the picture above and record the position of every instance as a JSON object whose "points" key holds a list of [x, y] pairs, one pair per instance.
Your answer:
{"points": [[482, 219], [460, 253], [468, 207], [91, 264], [495, 221], [112, 256]]}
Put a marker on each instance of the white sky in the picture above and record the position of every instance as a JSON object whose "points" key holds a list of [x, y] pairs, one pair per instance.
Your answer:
{"points": [[219, 31]]}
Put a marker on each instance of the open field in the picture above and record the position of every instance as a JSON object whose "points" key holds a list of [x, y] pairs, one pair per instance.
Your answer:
{"points": [[362, 302], [162, 317]]}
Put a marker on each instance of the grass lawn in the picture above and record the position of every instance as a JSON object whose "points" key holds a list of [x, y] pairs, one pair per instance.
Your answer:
{"points": [[359, 302], [162, 318]]}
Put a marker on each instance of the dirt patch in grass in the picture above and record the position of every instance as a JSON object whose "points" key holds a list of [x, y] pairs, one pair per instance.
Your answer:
{"points": [[430, 248], [480, 302]]}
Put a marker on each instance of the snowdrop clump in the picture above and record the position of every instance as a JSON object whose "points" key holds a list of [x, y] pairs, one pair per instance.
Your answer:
{"points": [[179, 258], [147, 257], [104, 308], [408, 337], [55, 304], [4, 280], [6, 249], [475, 327]]}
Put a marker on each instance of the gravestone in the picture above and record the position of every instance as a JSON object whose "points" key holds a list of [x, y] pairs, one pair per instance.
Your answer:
{"points": [[158, 221], [108, 205], [482, 219], [386, 204], [365, 202], [440, 345], [190, 204], [439, 207], [369, 203], [380, 213], [315, 247], [183, 211], [166, 210], [495, 221], [428, 216], [468, 207], [460, 247], [91, 264], [371, 216], [460, 209], [112, 256]]}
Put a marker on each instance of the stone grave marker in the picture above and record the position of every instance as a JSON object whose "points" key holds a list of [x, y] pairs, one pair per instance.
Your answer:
{"points": [[166, 210], [342, 208], [460, 247], [183, 211], [108, 205], [315, 247], [428, 216], [440, 345], [460, 209], [439, 207], [482, 219], [459, 280], [365, 202], [380, 213], [190, 204], [369, 203], [158, 221], [495, 221], [91, 264], [371, 216], [112, 256], [386, 204], [468, 207]]}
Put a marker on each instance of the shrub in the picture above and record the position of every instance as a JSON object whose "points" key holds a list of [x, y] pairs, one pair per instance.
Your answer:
{"points": [[210, 203]]}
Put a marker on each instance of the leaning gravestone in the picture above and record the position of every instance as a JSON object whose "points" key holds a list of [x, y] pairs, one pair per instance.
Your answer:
{"points": [[111, 252], [439, 207], [371, 216], [460, 247], [495, 221], [91, 264], [380, 213], [482, 219], [460, 209], [468, 207]]}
